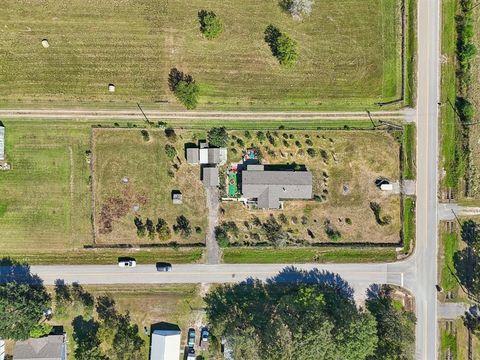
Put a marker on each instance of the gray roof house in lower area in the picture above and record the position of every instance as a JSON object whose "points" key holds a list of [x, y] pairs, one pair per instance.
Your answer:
{"points": [[52, 347], [165, 345], [268, 187]]}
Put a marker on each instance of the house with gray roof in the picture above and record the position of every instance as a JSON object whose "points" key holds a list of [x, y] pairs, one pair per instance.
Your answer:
{"points": [[206, 155], [268, 187], [52, 347]]}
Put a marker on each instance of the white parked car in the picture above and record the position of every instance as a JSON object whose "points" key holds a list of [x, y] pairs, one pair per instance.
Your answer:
{"points": [[127, 263]]}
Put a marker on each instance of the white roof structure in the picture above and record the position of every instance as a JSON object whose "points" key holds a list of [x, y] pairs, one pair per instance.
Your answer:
{"points": [[2, 349], [165, 345], [2, 144]]}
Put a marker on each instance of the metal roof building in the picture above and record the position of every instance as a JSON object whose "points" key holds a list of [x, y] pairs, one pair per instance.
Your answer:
{"points": [[210, 177], [2, 142], [52, 347], [268, 187], [165, 345], [206, 155]]}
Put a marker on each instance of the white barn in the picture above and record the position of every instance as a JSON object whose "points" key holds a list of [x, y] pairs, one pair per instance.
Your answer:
{"points": [[165, 345]]}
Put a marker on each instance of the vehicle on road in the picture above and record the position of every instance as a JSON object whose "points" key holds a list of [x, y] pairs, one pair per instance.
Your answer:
{"points": [[191, 338], [163, 266], [204, 336], [127, 263]]}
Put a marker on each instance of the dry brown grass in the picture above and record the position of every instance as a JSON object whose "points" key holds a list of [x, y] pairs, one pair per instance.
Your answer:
{"points": [[122, 153], [354, 158]]}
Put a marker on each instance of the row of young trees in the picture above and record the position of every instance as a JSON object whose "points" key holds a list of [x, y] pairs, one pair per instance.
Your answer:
{"points": [[309, 315], [162, 230]]}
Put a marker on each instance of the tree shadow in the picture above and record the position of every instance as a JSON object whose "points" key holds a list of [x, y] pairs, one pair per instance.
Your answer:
{"points": [[14, 271], [272, 34], [378, 291], [175, 76], [293, 275], [85, 330]]}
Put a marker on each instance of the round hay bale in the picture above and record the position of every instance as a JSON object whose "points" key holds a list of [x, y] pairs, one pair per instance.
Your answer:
{"points": [[45, 43], [125, 180], [111, 88]]}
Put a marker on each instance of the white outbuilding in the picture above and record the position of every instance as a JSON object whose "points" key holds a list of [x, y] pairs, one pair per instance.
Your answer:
{"points": [[165, 345]]}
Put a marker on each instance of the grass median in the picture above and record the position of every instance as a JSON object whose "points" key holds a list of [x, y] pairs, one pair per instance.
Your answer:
{"points": [[304, 255], [107, 256]]}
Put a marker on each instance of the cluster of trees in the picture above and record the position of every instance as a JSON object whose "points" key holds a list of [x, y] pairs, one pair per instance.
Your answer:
{"points": [[319, 321], [161, 229], [184, 88], [23, 302], [466, 51], [282, 46], [113, 336], [467, 260], [271, 231], [210, 24], [218, 136], [74, 296]]}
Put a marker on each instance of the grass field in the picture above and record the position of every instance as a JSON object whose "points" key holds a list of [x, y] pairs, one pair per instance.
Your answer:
{"points": [[451, 143], [450, 243], [342, 160], [411, 52], [349, 54], [409, 152], [124, 153], [408, 224], [45, 197], [299, 255]]}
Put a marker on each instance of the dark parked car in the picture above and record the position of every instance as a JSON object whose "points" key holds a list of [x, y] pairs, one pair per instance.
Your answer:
{"points": [[191, 338], [163, 266], [204, 336]]}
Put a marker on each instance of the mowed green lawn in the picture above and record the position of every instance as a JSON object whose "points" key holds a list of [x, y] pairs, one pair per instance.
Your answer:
{"points": [[349, 56], [45, 201]]}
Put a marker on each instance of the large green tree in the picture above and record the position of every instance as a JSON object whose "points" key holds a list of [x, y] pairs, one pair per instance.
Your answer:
{"points": [[23, 300], [301, 315], [395, 327], [218, 136]]}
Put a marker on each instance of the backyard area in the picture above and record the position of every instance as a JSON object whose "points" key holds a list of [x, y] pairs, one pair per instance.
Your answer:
{"points": [[134, 179], [347, 206], [343, 63]]}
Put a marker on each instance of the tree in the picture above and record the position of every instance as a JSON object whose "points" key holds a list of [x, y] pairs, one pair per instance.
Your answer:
{"points": [[85, 334], [297, 8], [23, 300], [282, 46], [106, 310], [140, 226], [127, 343], [221, 235], [187, 93], [170, 151], [210, 24], [183, 226], [150, 228], [163, 230], [395, 327], [81, 295], [218, 136], [315, 321]]}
